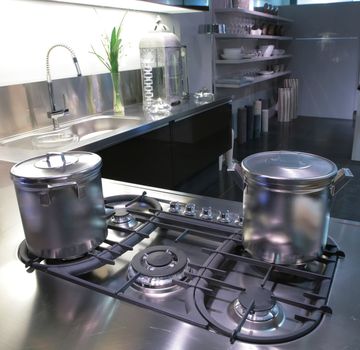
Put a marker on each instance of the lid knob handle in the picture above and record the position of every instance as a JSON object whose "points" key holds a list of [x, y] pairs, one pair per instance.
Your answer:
{"points": [[50, 154]]}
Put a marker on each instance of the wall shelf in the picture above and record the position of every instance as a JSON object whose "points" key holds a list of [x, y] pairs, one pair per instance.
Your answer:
{"points": [[249, 60], [248, 36], [256, 14], [233, 84], [234, 19]]}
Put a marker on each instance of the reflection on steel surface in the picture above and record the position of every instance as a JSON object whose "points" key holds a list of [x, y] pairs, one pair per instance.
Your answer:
{"points": [[34, 317], [72, 132], [226, 290], [24, 107]]}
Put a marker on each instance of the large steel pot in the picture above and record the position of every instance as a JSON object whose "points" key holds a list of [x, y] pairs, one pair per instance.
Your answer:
{"points": [[286, 204], [61, 203]]}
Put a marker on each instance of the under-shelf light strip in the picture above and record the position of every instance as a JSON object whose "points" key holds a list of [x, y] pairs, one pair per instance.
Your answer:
{"points": [[135, 5]]}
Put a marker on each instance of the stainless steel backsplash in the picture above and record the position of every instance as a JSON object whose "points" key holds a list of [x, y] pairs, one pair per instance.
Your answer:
{"points": [[24, 107]]}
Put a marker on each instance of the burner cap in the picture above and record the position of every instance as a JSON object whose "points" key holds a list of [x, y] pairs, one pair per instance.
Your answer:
{"points": [[261, 296], [158, 266], [123, 218], [159, 261], [120, 204], [121, 212], [265, 315]]}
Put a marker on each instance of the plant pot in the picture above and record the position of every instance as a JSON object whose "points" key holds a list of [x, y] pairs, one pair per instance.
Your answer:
{"points": [[118, 104]]}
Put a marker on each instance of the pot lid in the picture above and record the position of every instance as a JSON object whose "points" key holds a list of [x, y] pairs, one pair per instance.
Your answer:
{"points": [[55, 165], [159, 37], [288, 166]]}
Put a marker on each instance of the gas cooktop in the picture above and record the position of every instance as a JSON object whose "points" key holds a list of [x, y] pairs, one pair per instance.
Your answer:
{"points": [[188, 263]]}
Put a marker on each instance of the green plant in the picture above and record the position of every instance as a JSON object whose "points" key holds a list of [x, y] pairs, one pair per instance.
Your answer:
{"points": [[112, 48]]}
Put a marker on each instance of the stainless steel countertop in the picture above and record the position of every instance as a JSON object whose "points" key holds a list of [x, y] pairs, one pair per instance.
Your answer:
{"points": [[39, 311], [145, 124]]}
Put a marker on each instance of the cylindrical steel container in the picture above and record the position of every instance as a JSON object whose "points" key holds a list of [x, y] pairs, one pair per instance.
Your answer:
{"points": [[286, 205], [61, 203]]}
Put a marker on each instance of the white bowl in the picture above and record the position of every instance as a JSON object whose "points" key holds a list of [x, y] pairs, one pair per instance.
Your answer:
{"points": [[232, 54], [233, 50]]}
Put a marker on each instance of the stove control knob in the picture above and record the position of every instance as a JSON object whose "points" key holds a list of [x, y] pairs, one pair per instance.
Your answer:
{"points": [[224, 217], [175, 207], [239, 221], [190, 209], [206, 213]]}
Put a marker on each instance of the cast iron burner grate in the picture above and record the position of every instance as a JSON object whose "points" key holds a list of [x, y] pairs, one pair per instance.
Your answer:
{"points": [[298, 308], [221, 288]]}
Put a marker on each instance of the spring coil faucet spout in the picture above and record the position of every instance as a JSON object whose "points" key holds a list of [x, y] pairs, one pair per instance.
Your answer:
{"points": [[54, 114]]}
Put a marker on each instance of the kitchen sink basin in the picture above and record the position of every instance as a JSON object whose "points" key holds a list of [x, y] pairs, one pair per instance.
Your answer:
{"points": [[71, 133], [55, 139], [98, 125]]}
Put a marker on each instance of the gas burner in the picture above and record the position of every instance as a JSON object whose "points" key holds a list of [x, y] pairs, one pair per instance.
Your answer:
{"points": [[27, 257], [265, 314], [122, 205], [157, 267], [122, 218]]}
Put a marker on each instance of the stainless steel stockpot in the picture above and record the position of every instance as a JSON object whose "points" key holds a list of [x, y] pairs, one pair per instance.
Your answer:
{"points": [[61, 203], [286, 204]]}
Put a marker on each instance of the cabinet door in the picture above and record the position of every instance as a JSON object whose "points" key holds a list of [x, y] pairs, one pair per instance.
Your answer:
{"points": [[144, 160], [199, 140]]}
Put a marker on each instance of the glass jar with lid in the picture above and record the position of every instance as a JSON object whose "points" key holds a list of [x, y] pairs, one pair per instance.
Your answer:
{"points": [[163, 67]]}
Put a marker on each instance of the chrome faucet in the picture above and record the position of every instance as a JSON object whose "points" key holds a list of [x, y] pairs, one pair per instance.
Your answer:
{"points": [[54, 114]]}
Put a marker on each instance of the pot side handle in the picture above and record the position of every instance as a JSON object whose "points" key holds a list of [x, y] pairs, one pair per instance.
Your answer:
{"points": [[79, 190], [239, 176], [44, 196], [343, 176]]}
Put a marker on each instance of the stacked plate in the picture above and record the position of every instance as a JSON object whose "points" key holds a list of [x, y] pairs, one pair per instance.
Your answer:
{"points": [[236, 54], [266, 72]]}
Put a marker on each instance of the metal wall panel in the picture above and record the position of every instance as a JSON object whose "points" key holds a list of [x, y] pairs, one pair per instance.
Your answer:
{"points": [[325, 57], [24, 107]]}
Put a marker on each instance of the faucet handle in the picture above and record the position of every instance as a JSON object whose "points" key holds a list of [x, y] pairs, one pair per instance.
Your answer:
{"points": [[55, 115], [58, 113]]}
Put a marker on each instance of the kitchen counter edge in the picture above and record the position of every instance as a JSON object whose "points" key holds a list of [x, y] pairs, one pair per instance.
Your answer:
{"points": [[184, 110]]}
